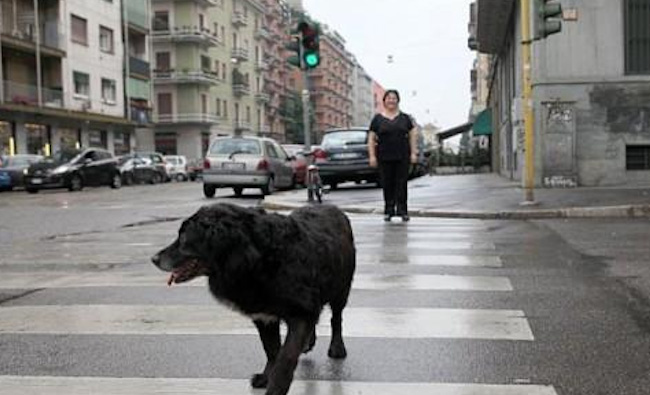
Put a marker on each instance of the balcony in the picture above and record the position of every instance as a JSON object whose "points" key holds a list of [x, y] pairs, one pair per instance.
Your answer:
{"points": [[241, 126], [23, 37], [240, 89], [204, 3], [187, 118], [262, 65], [263, 33], [27, 95], [141, 116], [204, 77], [136, 14], [189, 34], [139, 67], [240, 54], [239, 19], [263, 97]]}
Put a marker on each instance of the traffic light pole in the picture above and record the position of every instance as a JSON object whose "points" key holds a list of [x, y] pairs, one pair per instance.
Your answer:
{"points": [[529, 135], [306, 120]]}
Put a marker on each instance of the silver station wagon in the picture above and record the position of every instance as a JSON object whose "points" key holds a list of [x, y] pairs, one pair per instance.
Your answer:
{"points": [[246, 162]]}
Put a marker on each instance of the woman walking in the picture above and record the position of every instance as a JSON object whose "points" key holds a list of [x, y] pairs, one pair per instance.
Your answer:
{"points": [[392, 145]]}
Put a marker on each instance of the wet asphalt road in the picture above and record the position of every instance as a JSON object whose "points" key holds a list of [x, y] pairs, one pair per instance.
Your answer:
{"points": [[438, 306]]}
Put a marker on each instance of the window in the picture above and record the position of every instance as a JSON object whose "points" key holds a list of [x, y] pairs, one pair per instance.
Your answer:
{"points": [[248, 114], [637, 157], [204, 104], [106, 39], [270, 150], [108, 91], [218, 107], [205, 63], [225, 109], [81, 84], [161, 20], [164, 103], [201, 22], [217, 67], [163, 61], [637, 37], [79, 29]]}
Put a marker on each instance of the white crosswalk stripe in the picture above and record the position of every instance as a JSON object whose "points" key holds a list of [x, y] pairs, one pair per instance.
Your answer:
{"points": [[437, 244]]}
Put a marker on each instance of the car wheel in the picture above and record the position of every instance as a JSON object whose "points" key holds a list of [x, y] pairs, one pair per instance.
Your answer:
{"points": [[156, 178], [192, 178], [269, 188], [127, 179], [76, 183], [238, 191], [31, 190], [180, 177], [209, 190], [116, 182]]}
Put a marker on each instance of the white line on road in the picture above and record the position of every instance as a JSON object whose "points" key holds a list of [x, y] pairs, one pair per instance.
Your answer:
{"points": [[43, 385], [407, 323], [153, 278], [395, 244], [432, 260]]}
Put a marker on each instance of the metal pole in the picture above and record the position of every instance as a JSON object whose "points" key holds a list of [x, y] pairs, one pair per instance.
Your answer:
{"points": [[39, 72], [127, 62], [529, 167], [2, 77]]}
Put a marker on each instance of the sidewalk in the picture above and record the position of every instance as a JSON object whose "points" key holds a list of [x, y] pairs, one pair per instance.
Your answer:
{"points": [[484, 196]]}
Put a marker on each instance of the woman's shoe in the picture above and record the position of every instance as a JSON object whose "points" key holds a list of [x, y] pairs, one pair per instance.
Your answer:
{"points": [[405, 218], [387, 217]]}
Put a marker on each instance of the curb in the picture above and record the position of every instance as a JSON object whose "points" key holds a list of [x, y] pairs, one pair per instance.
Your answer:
{"points": [[625, 211]]}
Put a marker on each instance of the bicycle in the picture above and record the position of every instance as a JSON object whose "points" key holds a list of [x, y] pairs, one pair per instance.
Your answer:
{"points": [[314, 182]]}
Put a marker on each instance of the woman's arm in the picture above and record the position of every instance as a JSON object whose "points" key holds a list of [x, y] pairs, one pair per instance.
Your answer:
{"points": [[372, 148], [413, 142]]}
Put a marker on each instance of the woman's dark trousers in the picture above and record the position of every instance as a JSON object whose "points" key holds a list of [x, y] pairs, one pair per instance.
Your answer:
{"points": [[394, 178]]}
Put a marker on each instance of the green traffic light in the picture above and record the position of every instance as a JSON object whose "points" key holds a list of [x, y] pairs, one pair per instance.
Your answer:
{"points": [[312, 59]]}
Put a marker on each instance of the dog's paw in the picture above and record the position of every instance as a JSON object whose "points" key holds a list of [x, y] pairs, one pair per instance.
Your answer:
{"points": [[337, 351], [259, 380], [310, 345]]}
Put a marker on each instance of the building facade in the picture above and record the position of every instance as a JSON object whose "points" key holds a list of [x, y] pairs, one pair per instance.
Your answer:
{"points": [[331, 84], [62, 76], [590, 97], [378, 92], [362, 97], [209, 72]]}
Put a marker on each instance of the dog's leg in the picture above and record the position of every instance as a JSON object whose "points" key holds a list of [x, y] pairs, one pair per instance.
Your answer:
{"points": [[285, 364], [337, 348], [312, 341], [270, 336]]}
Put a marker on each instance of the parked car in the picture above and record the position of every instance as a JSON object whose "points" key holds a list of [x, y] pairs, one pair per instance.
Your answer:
{"points": [[195, 169], [299, 162], [246, 162], [343, 156], [177, 167], [158, 160], [12, 170], [135, 170], [73, 169]]}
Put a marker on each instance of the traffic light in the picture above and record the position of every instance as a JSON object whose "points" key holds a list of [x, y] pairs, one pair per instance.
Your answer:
{"points": [[545, 16], [305, 45]]}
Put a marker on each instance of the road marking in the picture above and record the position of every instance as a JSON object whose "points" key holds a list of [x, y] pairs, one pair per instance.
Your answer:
{"points": [[396, 244], [44, 385], [406, 323], [158, 279], [431, 260]]}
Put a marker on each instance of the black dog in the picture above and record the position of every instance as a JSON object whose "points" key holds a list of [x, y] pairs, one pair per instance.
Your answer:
{"points": [[271, 267]]}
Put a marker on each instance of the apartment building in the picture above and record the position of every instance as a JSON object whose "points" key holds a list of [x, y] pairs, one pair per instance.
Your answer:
{"points": [[331, 84], [62, 76], [378, 92], [362, 98], [208, 77]]}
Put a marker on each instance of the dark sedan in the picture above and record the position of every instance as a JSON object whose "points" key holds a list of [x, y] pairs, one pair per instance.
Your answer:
{"points": [[74, 169], [12, 170], [343, 156]]}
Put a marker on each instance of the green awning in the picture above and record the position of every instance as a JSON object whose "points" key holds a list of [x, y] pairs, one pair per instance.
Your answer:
{"points": [[483, 123]]}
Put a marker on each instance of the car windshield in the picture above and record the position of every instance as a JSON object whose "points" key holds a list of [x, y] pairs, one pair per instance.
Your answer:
{"points": [[16, 161], [345, 138], [63, 156], [240, 146], [172, 160]]}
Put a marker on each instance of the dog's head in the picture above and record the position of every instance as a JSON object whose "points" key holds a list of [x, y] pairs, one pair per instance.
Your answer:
{"points": [[209, 236]]}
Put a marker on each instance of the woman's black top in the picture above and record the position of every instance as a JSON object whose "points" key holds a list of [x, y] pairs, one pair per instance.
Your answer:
{"points": [[392, 137]]}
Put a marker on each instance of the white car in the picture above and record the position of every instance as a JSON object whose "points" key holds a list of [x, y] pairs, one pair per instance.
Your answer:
{"points": [[246, 162], [177, 167]]}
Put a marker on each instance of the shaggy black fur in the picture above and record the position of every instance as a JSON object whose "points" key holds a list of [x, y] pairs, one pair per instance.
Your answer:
{"points": [[271, 267]]}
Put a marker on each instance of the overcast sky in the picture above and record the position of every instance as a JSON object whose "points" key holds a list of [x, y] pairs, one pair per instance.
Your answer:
{"points": [[428, 42]]}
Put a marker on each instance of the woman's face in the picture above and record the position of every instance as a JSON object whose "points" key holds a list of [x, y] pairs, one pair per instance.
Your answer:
{"points": [[392, 102]]}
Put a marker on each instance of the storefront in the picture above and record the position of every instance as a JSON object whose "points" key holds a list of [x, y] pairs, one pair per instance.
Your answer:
{"points": [[98, 139], [166, 143], [38, 139], [7, 139], [122, 143], [69, 139]]}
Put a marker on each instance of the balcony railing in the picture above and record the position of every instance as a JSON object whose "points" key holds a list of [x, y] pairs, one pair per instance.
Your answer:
{"points": [[141, 116], [241, 54], [136, 13], [17, 93], [51, 34], [263, 97], [195, 34], [239, 19], [138, 66], [240, 89], [196, 118], [204, 3], [262, 65], [186, 77], [263, 33]]}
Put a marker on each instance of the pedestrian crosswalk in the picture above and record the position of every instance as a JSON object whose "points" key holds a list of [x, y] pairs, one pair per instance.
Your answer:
{"points": [[392, 258]]}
